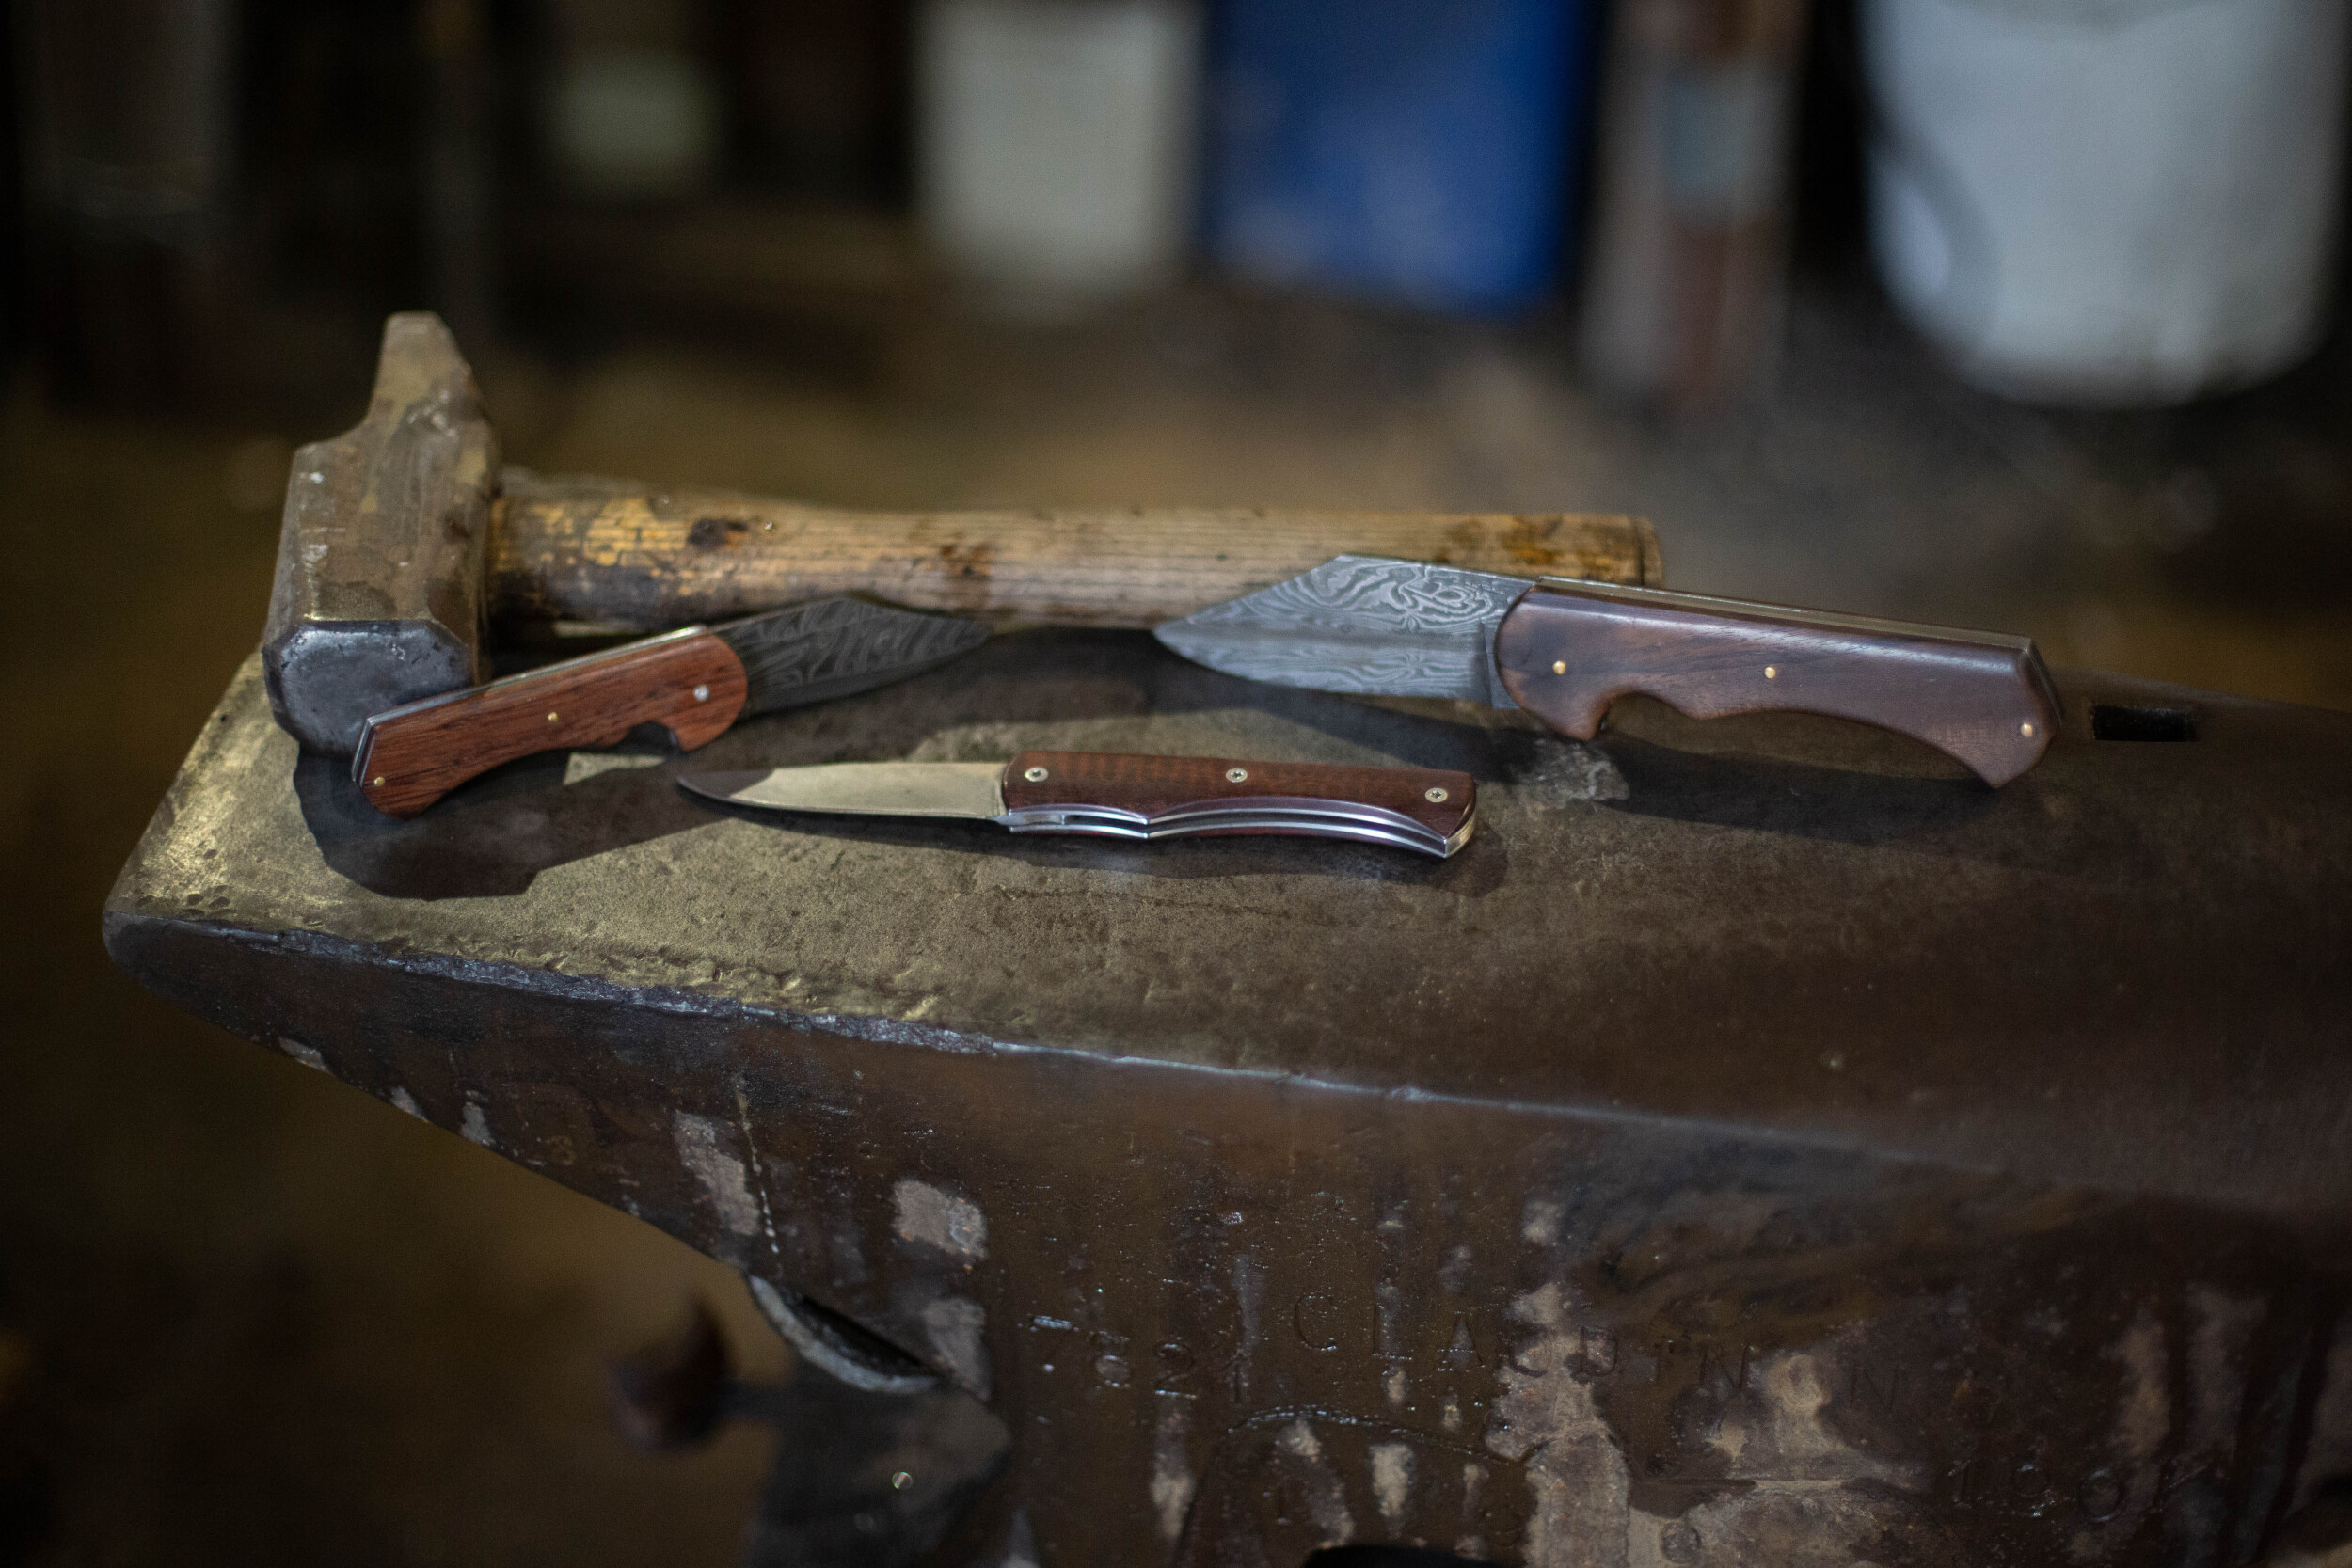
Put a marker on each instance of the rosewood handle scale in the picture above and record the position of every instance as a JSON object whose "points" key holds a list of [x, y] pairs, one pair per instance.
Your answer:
{"points": [[1150, 796], [1566, 650], [690, 682]]}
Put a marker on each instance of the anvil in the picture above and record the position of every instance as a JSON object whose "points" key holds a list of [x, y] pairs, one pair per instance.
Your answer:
{"points": [[1763, 1143]]}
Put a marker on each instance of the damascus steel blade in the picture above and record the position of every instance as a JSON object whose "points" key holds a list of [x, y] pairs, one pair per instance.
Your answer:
{"points": [[969, 789], [829, 648], [1361, 623]]}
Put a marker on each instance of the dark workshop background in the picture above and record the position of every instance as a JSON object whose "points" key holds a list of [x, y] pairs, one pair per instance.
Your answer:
{"points": [[248, 1315]]}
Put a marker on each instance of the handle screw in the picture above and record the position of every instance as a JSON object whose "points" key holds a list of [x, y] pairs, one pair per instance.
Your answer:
{"points": [[2025, 730], [1435, 796], [1772, 672], [378, 781], [702, 693], [1559, 666], [550, 718], [1034, 775], [1237, 775]]}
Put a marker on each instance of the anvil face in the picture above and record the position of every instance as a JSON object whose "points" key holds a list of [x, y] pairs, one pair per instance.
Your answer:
{"points": [[1723, 1157]]}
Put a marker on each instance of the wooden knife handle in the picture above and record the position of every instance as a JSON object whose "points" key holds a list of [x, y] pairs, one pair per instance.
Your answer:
{"points": [[1566, 650], [1120, 796], [688, 681]]}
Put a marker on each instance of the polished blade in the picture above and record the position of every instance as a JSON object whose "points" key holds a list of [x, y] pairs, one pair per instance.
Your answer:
{"points": [[827, 648], [1362, 623], [973, 789]]}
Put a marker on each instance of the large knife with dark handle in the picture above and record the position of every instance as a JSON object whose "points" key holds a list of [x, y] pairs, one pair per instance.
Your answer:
{"points": [[1563, 649], [694, 681], [1114, 795]]}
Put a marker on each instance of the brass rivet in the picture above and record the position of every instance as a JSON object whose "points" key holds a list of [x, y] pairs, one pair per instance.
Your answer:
{"points": [[550, 718], [2025, 730], [1559, 666], [1034, 775], [1772, 673], [1237, 775], [1434, 796], [378, 781], [702, 693]]}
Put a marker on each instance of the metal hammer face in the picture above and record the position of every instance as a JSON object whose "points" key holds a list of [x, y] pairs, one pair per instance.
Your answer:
{"points": [[378, 595]]}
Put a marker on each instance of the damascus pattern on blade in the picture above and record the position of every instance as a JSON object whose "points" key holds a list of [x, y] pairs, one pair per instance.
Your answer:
{"points": [[1361, 623], [815, 652]]}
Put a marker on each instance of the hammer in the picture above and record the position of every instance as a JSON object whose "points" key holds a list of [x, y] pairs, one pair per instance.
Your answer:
{"points": [[404, 537]]}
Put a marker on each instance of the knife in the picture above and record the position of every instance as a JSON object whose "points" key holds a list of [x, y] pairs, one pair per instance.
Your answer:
{"points": [[1115, 795], [1565, 649], [695, 682]]}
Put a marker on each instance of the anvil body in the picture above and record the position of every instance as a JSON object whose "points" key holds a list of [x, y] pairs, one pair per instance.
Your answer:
{"points": [[1763, 1143]]}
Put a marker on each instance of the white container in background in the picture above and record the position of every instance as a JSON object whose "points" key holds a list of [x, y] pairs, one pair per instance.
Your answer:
{"points": [[1057, 142], [2109, 203], [640, 123]]}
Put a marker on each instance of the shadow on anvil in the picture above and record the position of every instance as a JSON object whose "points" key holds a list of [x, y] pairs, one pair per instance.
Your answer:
{"points": [[495, 836]]}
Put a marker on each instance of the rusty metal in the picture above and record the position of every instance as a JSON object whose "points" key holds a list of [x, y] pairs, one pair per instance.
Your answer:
{"points": [[1761, 1145], [378, 600]]}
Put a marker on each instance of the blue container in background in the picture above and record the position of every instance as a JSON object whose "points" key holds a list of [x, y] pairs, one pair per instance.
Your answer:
{"points": [[1415, 151]]}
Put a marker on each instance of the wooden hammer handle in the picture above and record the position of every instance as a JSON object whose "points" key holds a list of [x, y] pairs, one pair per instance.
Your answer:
{"points": [[587, 549]]}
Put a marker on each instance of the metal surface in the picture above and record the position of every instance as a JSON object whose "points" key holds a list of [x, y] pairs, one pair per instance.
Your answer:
{"points": [[968, 789], [1360, 824], [377, 601], [1760, 1145], [1361, 623], [816, 652]]}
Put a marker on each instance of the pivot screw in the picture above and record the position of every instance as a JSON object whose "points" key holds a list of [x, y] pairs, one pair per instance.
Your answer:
{"points": [[1034, 775], [2025, 730], [702, 693], [1559, 666], [1435, 796], [1772, 672], [1237, 775]]}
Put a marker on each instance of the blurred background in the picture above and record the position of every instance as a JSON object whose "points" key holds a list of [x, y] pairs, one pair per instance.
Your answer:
{"points": [[2026, 317]]}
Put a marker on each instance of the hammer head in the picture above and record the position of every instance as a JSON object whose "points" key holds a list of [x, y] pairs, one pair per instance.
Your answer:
{"points": [[378, 596]]}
